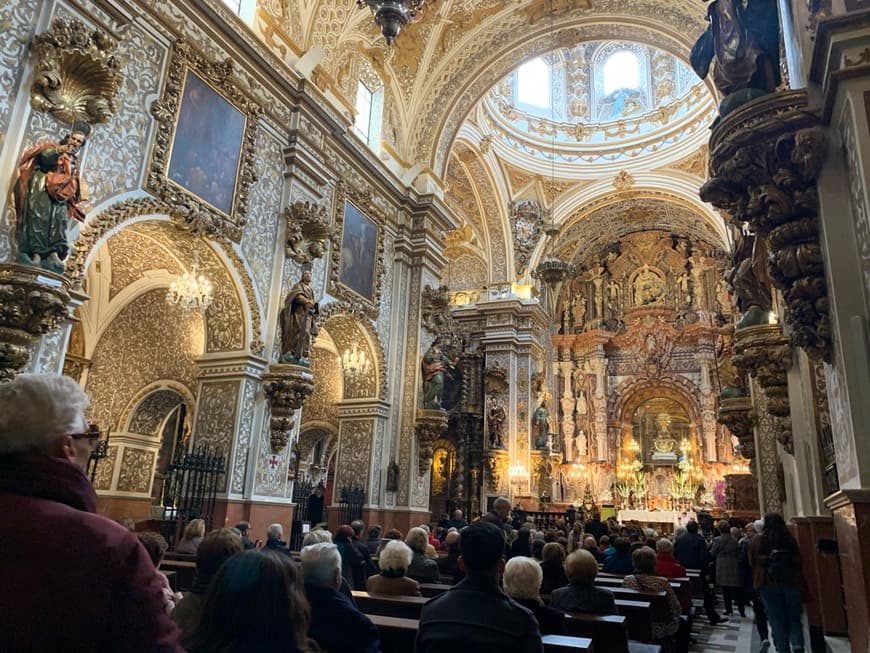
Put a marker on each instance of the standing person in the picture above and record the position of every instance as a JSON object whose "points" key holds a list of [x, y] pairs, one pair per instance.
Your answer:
{"points": [[571, 515], [475, 614], [776, 571], [315, 505], [691, 552], [749, 593], [595, 527], [522, 546], [102, 592], [724, 552], [499, 515]]}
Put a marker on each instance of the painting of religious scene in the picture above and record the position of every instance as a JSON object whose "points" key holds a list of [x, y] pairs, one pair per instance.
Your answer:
{"points": [[359, 255], [207, 145]]}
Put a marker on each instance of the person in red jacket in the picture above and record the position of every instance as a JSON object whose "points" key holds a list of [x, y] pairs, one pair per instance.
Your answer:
{"points": [[666, 564], [72, 580]]}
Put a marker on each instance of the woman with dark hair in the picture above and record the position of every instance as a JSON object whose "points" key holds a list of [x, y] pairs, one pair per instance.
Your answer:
{"points": [[522, 546], [255, 604], [553, 567], [353, 564], [776, 573]]}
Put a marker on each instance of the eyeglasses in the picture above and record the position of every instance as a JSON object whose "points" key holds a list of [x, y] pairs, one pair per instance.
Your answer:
{"points": [[92, 435]]}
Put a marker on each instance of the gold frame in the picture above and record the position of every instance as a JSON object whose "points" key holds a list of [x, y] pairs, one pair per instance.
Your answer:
{"points": [[362, 200], [189, 209]]}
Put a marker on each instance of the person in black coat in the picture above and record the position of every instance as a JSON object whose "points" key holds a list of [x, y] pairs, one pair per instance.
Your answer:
{"points": [[476, 615], [522, 582], [691, 552], [336, 624], [595, 527], [275, 539]]}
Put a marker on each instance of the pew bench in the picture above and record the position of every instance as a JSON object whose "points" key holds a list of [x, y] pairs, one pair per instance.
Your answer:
{"points": [[402, 607], [184, 573], [607, 632]]}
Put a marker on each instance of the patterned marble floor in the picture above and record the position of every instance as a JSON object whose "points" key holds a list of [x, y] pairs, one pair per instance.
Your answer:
{"points": [[736, 636]]}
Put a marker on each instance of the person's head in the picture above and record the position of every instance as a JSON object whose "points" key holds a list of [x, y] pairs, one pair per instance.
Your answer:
{"points": [[358, 527], [735, 532], [605, 540], [255, 600], [664, 545], [457, 514], [524, 536], [552, 552], [154, 544], [589, 542], [596, 516], [275, 532], [577, 527], [724, 527], [581, 568], [622, 546], [522, 578], [375, 533], [501, 507], [343, 535], [194, 528], [692, 527], [77, 136], [321, 565], [481, 548], [45, 414], [775, 532], [306, 276], [417, 539], [395, 557], [216, 548], [452, 538], [538, 548], [315, 537], [394, 534], [679, 531], [749, 529], [644, 560], [243, 527]]}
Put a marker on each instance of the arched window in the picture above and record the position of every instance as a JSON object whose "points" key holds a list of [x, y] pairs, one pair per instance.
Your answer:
{"points": [[621, 70], [244, 8], [533, 83]]}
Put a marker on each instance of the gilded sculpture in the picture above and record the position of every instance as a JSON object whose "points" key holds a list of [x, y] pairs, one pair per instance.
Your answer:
{"points": [[496, 423], [48, 193], [434, 366], [541, 424], [298, 324]]}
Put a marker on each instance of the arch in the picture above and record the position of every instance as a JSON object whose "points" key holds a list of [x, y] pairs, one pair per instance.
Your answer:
{"points": [[630, 394], [119, 215], [342, 319], [128, 412]]}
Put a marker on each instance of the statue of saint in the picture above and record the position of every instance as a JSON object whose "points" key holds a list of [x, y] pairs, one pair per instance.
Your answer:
{"points": [[434, 365], [647, 287], [581, 443], [541, 425], [545, 478], [568, 407], [497, 419], [579, 309], [297, 321], [47, 194], [582, 404], [750, 281]]}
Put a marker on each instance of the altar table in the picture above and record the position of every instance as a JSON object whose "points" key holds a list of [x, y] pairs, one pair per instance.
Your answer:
{"points": [[673, 517]]}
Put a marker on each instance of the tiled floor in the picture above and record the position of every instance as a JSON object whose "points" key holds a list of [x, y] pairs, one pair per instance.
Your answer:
{"points": [[736, 636]]}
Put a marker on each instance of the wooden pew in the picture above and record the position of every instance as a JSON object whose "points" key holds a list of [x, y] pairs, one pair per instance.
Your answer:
{"points": [[398, 635], [638, 619], [184, 573], [607, 632], [403, 607], [430, 590]]}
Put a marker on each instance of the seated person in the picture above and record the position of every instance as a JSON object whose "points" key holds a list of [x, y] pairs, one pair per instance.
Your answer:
{"points": [[374, 539], [621, 561], [275, 539], [666, 564], [644, 580], [256, 600], [215, 548], [522, 582], [336, 624], [156, 547], [191, 538], [590, 545], [244, 530], [553, 567], [581, 595], [422, 568], [394, 561], [476, 615]]}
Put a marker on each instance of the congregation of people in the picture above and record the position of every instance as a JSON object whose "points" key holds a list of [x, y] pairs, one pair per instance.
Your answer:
{"points": [[511, 582]]}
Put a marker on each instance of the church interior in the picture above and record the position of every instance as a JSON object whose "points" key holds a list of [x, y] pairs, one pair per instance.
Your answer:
{"points": [[510, 248]]}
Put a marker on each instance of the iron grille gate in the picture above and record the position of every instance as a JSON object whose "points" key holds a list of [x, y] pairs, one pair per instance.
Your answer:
{"points": [[190, 489]]}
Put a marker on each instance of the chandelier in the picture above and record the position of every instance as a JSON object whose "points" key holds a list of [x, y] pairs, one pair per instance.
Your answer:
{"points": [[355, 364], [191, 290], [392, 15]]}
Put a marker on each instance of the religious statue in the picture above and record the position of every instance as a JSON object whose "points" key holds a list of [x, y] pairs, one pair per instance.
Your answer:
{"points": [[613, 291], [568, 406], [566, 319], [683, 287], [297, 321], [582, 404], [47, 194], [541, 425], [749, 280], [545, 479], [434, 365], [579, 309], [392, 476], [581, 443], [496, 422], [743, 36], [647, 287]]}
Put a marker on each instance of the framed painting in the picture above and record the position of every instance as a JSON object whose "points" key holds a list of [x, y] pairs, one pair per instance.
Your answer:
{"points": [[357, 257], [203, 157]]}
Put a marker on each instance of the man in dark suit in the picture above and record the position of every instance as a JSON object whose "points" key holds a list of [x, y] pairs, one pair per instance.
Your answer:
{"points": [[476, 615], [596, 527], [691, 552]]}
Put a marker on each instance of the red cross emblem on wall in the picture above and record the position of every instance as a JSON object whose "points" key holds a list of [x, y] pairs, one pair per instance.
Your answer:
{"points": [[273, 462]]}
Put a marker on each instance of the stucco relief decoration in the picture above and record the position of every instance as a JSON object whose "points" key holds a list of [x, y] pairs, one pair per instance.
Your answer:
{"points": [[286, 387], [527, 218], [364, 201], [307, 231], [106, 470], [435, 311], [189, 208], [354, 454], [77, 75], [135, 474], [351, 318]]}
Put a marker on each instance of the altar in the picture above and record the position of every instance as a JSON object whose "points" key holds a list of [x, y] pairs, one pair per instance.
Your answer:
{"points": [[673, 518]]}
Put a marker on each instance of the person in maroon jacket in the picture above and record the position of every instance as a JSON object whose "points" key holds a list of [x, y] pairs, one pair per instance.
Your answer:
{"points": [[72, 580]]}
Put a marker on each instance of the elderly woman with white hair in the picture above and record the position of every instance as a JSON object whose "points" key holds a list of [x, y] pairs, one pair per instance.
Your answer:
{"points": [[102, 593], [522, 582], [422, 568], [392, 581]]}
